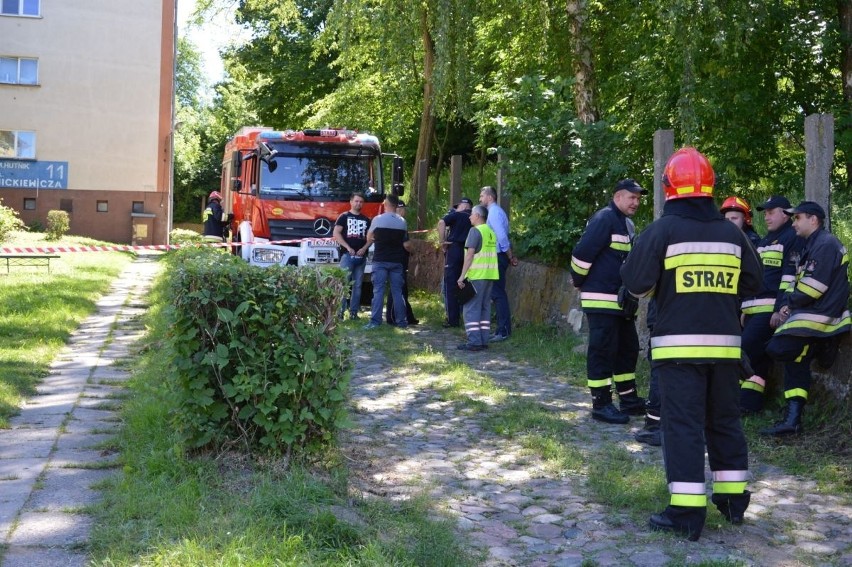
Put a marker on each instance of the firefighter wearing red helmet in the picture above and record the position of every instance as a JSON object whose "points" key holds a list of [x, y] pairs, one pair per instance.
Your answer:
{"points": [[738, 211], [697, 265], [215, 219]]}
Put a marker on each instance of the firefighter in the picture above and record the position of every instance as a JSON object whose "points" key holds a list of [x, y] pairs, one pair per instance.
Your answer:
{"points": [[815, 313], [738, 211], [613, 343], [778, 251], [696, 264], [215, 219]]}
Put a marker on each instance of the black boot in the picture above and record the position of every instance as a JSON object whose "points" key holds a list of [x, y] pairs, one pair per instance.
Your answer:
{"points": [[677, 520], [791, 422], [650, 434], [732, 506], [631, 404], [603, 410]]}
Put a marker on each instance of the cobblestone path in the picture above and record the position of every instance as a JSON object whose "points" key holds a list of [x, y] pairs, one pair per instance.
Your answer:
{"points": [[407, 439]]}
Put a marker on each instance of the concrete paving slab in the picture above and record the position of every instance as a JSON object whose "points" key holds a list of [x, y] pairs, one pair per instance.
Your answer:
{"points": [[57, 380], [44, 557], [10, 507], [96, 404], [61, 402], [12, 446], [51, 528], [67, 489], [71, 458], [38, 417], [94, 414], [17, 439], [83, 440], [21, 468]]}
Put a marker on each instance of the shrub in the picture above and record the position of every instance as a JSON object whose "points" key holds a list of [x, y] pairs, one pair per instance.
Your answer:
{"points": [[255, 357], [9, 221], [58, 224], [181, 236]]}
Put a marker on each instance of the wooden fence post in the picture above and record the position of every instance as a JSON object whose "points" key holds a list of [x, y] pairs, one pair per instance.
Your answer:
{"points": [[663, 150], [819, 156]]}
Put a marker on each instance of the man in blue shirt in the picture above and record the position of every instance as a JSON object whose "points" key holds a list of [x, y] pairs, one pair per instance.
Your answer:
{"points": [[499, 223]]}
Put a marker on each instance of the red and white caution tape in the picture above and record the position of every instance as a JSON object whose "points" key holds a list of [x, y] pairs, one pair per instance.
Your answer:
{"points": [[126, 248]]}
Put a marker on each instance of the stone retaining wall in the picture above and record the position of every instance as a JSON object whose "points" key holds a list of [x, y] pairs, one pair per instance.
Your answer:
{"points": [[543, 294]]}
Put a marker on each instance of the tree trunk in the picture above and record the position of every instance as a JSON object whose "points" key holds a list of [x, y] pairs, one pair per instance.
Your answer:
{"points": [[844, 12], [584, 69], [427, 118]]}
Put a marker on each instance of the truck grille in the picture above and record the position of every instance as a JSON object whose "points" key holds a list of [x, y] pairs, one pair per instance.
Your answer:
{"points": [[293, 229]]}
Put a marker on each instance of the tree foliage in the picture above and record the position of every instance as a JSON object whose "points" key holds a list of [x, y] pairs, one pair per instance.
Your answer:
{"points": [[734, 77]]}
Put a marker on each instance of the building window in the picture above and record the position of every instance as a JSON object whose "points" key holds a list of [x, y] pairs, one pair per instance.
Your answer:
{"points": [[17, 144], [66, 205], [103, 206], [138, 207], [29, 204], [18, 71], [20, 7]]}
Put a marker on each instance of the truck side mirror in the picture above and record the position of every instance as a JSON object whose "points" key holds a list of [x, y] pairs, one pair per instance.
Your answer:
{"points": [[236, 164], [397, 176], [236, 185]]}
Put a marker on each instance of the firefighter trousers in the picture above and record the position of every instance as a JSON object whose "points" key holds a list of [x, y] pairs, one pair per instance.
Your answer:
{"points": [[756, 335], [700, 406], [796, 353], [612, 353]]}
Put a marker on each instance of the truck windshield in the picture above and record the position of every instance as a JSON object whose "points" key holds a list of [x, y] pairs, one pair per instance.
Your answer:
{"points": [[321, 172]]}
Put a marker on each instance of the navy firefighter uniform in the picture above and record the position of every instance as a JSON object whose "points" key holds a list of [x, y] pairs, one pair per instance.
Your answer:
{"points": [[697, 265], [613, 347], [778, 251], [815, 313]]}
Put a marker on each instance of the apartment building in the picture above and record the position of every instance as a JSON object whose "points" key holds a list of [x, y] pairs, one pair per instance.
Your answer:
{"points": [[86, 98]]}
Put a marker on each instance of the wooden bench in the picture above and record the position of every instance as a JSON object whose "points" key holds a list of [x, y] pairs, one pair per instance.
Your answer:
{"points": [[37, 260]]}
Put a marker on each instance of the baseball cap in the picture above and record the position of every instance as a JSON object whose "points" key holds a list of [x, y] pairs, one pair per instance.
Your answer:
{"points": [[466, 201], [629, 185], [774, 202], [809, 208]]}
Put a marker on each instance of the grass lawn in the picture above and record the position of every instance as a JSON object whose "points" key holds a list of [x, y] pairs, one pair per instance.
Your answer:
{"points": [[41, 309]]}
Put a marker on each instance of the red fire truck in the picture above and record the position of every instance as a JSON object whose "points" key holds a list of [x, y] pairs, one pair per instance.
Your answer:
{"points": [[287, 188]]}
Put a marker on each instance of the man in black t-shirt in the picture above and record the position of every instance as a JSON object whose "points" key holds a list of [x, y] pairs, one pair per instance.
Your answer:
{"points": [[350, 232]]}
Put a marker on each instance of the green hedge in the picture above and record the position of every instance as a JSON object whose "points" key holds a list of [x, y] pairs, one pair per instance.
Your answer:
{"points": [[255, 356]]}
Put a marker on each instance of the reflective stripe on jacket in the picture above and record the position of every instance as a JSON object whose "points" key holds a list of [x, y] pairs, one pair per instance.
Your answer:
{"points": [[778, 252], [820, 294], [698, 267], [597, 257]]}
